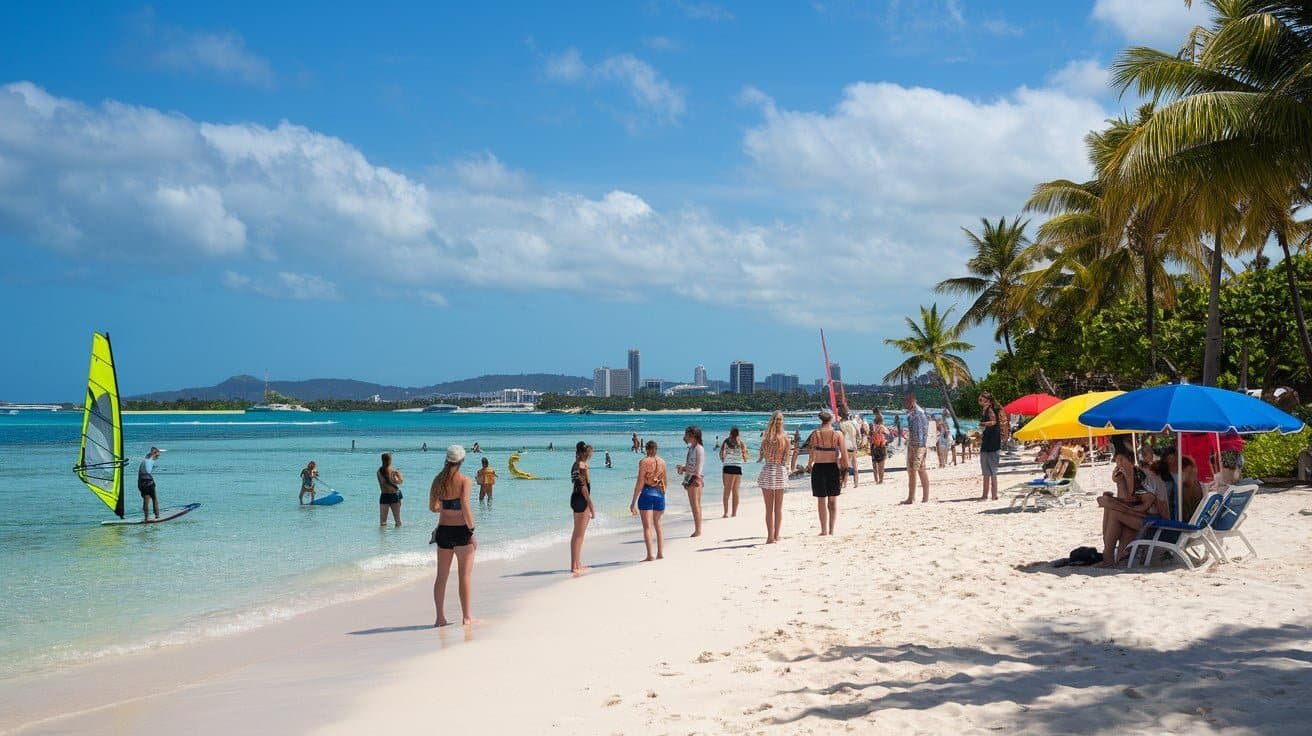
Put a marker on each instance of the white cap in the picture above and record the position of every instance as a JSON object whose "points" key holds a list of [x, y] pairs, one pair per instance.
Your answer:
{"points": [[455, 454]]}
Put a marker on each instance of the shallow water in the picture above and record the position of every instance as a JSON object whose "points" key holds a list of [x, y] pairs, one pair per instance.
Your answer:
{"points": [[76, 591]]}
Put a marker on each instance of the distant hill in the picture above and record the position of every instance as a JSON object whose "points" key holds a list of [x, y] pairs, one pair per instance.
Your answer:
{"points": [[250, 388]]}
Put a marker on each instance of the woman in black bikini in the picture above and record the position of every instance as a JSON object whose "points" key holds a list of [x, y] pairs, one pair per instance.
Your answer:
{"points": [[826, 462], [389, 487], [580, 502], [448, 497]]}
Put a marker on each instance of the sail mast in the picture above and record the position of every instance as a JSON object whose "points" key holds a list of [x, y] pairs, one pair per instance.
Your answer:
{"points": [[829, 378]]}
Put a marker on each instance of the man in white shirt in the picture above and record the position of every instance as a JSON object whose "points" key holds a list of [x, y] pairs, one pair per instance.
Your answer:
{"points": [[850, 436]]}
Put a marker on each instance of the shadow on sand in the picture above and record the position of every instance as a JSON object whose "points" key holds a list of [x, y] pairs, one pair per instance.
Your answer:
{"points": [[539, 573], [1238, 677], [390, 630]]}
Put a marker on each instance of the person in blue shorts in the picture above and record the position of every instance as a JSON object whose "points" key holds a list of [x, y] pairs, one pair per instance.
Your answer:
{"points": [[649, 499]]}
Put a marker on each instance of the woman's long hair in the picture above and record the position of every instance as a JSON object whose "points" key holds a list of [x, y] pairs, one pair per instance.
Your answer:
{"points": [[774, 432], [694, 432], [444, 484], [732, 439]]}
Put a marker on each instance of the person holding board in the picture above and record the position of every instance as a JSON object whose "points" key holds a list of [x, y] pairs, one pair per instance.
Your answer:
{"points": [[308, 475], [146, 484]]}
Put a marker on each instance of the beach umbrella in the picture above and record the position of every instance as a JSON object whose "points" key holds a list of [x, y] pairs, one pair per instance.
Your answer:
{"points": [[1031, 405], [1062, 421], [1188, 408]]}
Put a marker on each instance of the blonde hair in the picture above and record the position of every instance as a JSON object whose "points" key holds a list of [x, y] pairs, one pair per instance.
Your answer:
{"points": [[775, 433]]}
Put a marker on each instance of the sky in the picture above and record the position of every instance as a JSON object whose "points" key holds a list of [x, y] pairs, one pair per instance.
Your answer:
{"points": [[409, 195]]}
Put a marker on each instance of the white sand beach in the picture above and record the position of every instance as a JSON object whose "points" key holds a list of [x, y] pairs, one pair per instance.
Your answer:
{"points": [[934, 618]]}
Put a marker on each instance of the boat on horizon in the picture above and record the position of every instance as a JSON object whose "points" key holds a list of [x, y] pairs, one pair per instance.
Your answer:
{"points": [[440, 408], [267, 406]]}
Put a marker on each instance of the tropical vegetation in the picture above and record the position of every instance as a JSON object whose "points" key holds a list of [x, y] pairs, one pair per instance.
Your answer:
{"points": [[1155, 267]]}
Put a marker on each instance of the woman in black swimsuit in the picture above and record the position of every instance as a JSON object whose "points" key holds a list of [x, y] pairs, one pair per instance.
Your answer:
{"points": [[580, 502], [827, 463], [448, 497], [389, 487]]}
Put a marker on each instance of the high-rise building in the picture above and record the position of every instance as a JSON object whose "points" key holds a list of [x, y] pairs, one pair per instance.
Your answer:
{"points": [[608, 381], [742, 377], [621, 382], [836, 372], [635, 373], [601, 381], [781, 383], [699, 376]]}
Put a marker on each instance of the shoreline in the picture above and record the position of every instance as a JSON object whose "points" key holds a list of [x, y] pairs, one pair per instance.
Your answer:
{"points": [[940, 617]]}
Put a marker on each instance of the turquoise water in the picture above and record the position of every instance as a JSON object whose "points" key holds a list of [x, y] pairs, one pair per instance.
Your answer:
{"points": [[75, 591]]}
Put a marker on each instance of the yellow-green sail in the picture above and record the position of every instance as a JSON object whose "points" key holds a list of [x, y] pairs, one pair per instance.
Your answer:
{"points": [[101, 461]]}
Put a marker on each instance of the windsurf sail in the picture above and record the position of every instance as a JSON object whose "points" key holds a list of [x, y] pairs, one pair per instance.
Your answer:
{"points": [[829, 378], [101, 460]]}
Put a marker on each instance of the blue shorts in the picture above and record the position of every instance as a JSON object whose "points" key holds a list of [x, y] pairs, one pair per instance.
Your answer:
{"points": [[651, 499]]}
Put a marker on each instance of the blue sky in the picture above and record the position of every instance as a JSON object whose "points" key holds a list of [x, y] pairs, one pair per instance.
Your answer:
{"points": [[408, 195]]}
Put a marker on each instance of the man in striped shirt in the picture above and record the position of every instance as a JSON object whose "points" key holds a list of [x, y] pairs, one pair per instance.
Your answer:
{"points": [[917, 442]]}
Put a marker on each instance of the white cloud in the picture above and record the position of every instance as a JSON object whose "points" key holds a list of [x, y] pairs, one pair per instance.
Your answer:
{"points": [[284, 285], [1082, 77], [1160, 23], [222, 53], [433, 298], [661, 43], [659, 100], [702, 10], [873, 191], [1000, 27]]}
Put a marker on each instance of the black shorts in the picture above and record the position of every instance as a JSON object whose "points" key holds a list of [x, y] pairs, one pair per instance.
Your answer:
{"points": [[878, 454], [825, 479], [387, 499], [577, 502], [147, 493], [450, 537], [733, 470]]}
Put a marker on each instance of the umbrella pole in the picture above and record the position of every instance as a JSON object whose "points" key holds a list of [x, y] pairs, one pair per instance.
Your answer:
{"points": [[1179, 476]]}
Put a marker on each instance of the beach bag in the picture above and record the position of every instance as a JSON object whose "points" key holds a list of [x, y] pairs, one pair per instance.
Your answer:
{"points": [[1083, 556]]}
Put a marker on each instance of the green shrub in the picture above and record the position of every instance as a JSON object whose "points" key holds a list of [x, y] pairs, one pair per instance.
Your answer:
{"points": [[1273, 454]]}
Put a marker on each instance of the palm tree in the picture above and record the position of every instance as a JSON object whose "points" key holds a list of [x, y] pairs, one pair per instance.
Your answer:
{"points": [[1001, 258], [1237, 125], [1111, 250], [935, 344]]}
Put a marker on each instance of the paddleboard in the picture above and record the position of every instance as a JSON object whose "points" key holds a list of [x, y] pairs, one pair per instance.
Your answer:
{"points": [[164, 515], [329, 500]]}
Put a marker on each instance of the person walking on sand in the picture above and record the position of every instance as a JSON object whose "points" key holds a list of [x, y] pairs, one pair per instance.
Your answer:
{"points": [[693, 478], [917, 440], [308, 475], [990, 443], [448, 497], [852, 441], [774, 477], [878, 447], [826, 462], [389, 497], [486, 478], [580, 502], [733, 453], [146, 483], [649, 500]]}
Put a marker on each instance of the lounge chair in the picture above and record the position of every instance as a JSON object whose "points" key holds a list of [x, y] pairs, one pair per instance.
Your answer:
{"points": [[1178, 537], [1043, 492], [1231, 517]]}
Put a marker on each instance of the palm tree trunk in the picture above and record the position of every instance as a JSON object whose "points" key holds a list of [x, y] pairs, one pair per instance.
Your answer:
{"points": [[1006, 340], [1212, 347], [1296, 295], [947, 404], [1150, 322]]}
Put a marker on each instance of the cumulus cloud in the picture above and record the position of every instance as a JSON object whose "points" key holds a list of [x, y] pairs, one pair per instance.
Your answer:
{"points": [[220, 53], [432, 298], [659, 101], [284, 285], [873, 190], [1082, 77], [1159, 23]]}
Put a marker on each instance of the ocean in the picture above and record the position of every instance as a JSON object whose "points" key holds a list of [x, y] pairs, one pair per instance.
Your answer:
{"points": [[76, 591]]}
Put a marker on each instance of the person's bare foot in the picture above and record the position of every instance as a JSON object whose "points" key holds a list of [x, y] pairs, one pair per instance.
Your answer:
{"points": [[471, 621], [660, 555], [725, 516], [1105, 563], [995, 497], [695, 534], [440, 623], [907, 502], [648, 558]]}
